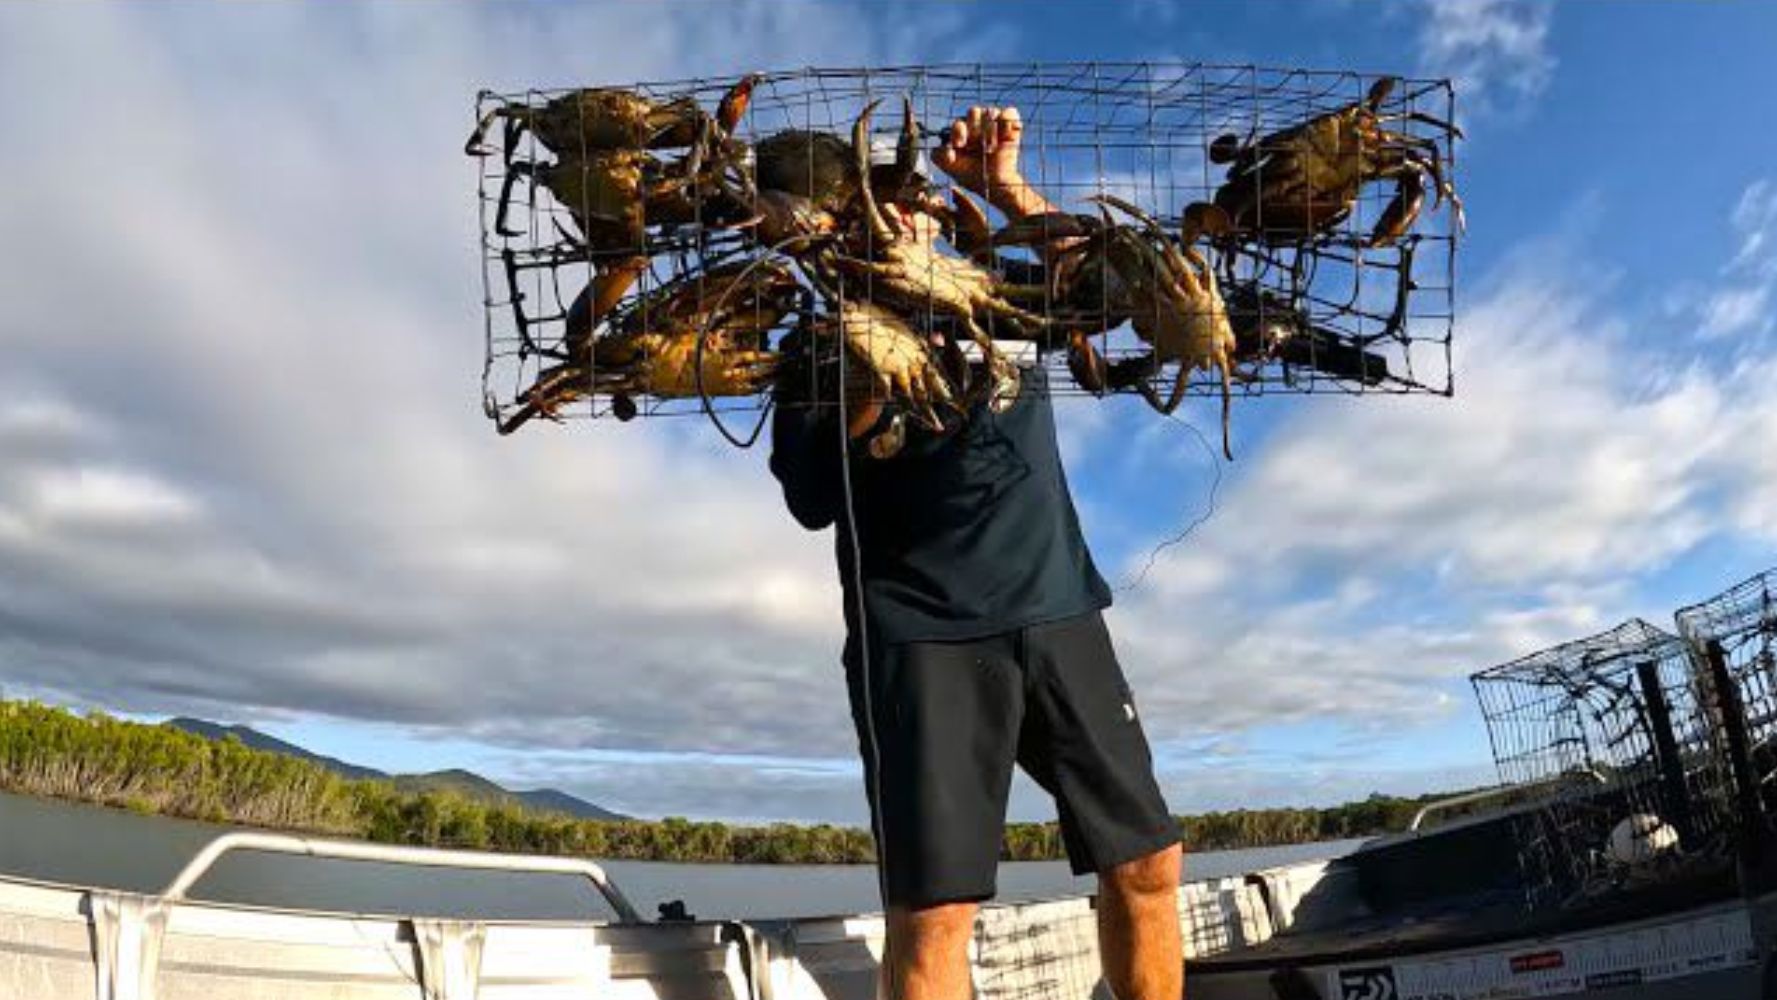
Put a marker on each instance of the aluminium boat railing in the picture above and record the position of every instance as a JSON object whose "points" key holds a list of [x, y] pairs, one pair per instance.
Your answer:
{"points": [[280, 843], [1493, 792]]}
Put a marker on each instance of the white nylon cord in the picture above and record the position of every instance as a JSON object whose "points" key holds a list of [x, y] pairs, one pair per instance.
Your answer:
{"points": [[874, 777]]}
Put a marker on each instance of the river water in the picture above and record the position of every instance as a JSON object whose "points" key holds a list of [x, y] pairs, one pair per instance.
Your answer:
{"points": [[88, 845]]}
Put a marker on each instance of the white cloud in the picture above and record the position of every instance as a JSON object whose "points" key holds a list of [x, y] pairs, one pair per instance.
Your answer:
{"points": [[1736, 310], [260, 383], [1496, 51], [1741, 302], [88, 496], [1377, 550], [1755, 223]]}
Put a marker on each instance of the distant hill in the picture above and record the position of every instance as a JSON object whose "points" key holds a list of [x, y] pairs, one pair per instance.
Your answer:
{"points": [[556, 800], [473, 786], [259, 741], [465, 783]]}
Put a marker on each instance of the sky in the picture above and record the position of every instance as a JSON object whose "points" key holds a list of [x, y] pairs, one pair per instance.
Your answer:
{"points": [[244, 472]]}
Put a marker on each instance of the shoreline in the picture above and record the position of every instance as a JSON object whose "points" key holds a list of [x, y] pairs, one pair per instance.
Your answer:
{"points": [[54, 754]]}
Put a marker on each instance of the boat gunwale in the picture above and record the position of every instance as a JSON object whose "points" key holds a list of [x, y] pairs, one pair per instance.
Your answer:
{"points": [[1642, 907]]}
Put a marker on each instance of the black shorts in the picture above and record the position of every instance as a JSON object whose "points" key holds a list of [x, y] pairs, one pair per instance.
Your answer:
{"points": [[952, 717]]}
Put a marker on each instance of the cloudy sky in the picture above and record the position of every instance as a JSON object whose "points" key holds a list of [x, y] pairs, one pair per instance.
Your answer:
{"points": [[244, 473]]}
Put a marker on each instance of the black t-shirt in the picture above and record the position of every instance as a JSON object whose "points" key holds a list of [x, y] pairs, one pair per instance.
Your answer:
{"points": [[962, 535]]}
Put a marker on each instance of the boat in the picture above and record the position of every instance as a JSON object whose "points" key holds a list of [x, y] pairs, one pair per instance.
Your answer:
{"points": [[1627, 854]]}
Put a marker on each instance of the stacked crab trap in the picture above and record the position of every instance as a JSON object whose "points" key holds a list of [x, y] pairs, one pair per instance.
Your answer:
{"points": [[1733, 639], [1639, 758], [712, 246], [1610, 735]]}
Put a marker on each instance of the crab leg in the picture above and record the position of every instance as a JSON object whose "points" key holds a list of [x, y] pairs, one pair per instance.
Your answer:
{"points": [[1003, 376], [1402, 210], [1421, 117], [513, 128]]}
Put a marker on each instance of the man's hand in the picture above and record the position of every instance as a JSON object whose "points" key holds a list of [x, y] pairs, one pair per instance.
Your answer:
{"points": [[980, 153]]}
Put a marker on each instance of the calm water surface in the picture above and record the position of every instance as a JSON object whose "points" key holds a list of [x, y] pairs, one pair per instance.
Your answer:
{"points": [[87, 845]]}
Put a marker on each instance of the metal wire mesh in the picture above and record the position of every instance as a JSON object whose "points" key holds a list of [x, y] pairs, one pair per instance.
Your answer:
{"points": [[1050, 950], [1612, 736], [678, 224], [1734, 636], [1038, 951]]}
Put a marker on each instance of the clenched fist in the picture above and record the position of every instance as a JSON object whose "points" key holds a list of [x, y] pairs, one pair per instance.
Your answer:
{"points": [[980, 152]]}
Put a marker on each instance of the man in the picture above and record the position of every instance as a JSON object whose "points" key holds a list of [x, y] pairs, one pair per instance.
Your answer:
{"points": [[975, 641]]}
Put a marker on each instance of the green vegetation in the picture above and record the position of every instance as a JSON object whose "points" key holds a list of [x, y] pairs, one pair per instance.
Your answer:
{"points": [[158, 769]]}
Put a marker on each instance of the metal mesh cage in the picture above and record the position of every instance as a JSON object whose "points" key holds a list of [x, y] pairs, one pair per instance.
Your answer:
{"points": [[1610, 738], [1734, 638], [691, 218]]}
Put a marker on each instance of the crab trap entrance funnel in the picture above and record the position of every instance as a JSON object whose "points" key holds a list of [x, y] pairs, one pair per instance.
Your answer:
{"points": [[706, 245]]}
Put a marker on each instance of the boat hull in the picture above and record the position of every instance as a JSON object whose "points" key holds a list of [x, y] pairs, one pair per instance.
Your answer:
{"points": [[60, 942]]}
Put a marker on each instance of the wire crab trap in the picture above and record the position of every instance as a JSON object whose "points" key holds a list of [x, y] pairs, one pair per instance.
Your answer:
{"points": [[1733, 637], [712, 245], [1610, 738]]}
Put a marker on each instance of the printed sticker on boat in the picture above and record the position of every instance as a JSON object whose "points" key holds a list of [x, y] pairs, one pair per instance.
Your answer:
{"points": [[1578, 964], [1368, 984], [1538, 961]]}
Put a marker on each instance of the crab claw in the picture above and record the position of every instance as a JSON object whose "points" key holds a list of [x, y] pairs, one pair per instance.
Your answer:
{"points": [[1204, 219], [1379, 92], [907, 148], [477, 143], [1045, 227], [889, 442], [1086, 364], [1147, 221], [861, 415], [1007, 386], [880, 227], [734, 103], [1225, 148], [973, 235]]}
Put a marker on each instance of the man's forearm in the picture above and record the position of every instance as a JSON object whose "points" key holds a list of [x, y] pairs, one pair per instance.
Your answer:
{"points": [[1018, 199]]}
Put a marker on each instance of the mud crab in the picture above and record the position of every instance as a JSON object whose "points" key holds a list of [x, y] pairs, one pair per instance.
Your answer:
{"points": [[914, 275], [899, 361], [807, 183], [608, 118], [704, 336], [605, 175], [1268, 328], [1304, 180], [1167, 292]]}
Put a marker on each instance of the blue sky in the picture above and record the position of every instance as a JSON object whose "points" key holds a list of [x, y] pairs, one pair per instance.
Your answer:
{"points": [[244, 475]]}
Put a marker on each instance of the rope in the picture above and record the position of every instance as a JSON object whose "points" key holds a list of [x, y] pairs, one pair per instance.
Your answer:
{"points": [[1209, 510]]}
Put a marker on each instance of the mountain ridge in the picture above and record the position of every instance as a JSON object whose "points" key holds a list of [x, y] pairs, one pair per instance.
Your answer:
{"points": [[461, 781]]}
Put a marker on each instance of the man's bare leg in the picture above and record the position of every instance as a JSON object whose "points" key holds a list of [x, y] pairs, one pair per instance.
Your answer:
{"points": [[928, 952], [1138, 928]]}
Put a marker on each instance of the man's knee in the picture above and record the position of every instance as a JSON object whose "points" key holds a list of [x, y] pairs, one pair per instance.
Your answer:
{"points": [[940, 926], [1150, 875]]}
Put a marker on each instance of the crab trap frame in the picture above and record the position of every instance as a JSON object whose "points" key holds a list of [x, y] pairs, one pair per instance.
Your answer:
{"points": [[1599, 732], [1733, 640], [707, 245]]}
